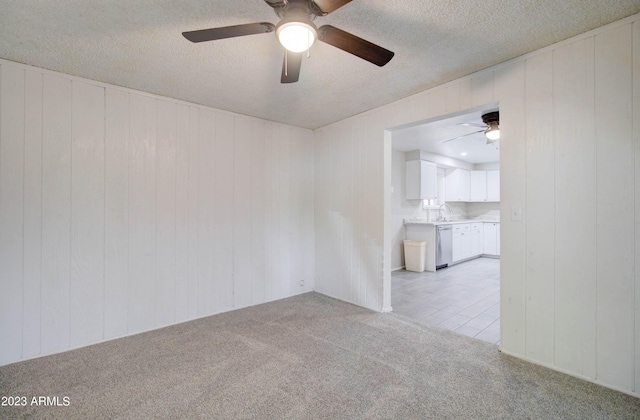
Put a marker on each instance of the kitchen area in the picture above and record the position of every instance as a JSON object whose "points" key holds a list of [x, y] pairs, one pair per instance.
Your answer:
{"points": [[454, 238], [446, 216]]}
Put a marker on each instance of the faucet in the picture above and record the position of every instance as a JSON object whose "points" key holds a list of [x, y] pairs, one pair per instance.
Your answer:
{"points": [[440, 210]]}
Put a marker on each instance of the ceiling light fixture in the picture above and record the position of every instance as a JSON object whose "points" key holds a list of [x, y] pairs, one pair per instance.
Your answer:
{"points": [[492, 119], [297, 36], [493, 132]]}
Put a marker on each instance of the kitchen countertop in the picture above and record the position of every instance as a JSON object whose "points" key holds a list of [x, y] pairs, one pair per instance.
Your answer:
{"points": [[447, 222]]}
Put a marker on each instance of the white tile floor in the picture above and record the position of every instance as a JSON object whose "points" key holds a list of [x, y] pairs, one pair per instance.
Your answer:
{"points": [[464, 298]]}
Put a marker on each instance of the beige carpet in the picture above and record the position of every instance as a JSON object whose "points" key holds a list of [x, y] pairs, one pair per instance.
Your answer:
{"points": [[304, 357]]}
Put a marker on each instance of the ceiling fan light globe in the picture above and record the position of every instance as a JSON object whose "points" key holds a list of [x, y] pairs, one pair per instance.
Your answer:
{"points": [[493, 132], [296, 36], [492, 135]]}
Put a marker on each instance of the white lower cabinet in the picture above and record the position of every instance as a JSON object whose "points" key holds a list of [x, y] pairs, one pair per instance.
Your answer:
{"points": [[476, 234], [474, 239], [491, 238], [461, 242]]}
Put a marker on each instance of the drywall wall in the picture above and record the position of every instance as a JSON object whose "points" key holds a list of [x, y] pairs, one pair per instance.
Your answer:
{"points": [[401, 208], [570, 160], [122, 212]]}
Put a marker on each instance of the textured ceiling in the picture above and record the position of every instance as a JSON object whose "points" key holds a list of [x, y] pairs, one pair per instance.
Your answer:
{"points": [[138, 44]]}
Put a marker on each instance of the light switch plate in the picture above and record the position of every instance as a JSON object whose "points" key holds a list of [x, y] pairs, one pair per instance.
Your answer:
{"points": [[516, 214]]}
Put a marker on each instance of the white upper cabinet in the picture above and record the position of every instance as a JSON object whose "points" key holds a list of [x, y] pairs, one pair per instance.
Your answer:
{"points": [[422, 180], [473, 186], [493, 185], [457, 185], [478, 186]]}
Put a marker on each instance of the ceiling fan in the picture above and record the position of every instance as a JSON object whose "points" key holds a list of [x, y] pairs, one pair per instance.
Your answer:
{"points": [[297, 33], [490, 128]]}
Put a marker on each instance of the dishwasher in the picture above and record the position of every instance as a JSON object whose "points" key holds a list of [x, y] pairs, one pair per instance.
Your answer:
{"points": [[444, 246]]}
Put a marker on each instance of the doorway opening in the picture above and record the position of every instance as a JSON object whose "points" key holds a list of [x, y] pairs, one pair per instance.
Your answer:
{"points": [[445, 199]]}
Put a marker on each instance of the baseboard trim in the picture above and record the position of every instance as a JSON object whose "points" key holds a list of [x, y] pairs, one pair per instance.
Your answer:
{"points": [[566, 372]]}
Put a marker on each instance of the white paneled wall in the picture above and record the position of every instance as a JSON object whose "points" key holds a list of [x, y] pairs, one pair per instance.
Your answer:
{"points": [[122, 212], [570, 159]]}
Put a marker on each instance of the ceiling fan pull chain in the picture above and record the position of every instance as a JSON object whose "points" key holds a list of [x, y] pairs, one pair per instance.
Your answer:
{"points": [[286, 63]]}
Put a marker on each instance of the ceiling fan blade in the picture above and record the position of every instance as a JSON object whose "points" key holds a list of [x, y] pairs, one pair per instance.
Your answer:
{"points": [[459, 137], [474, 125], [291, 67], [328, 6], [354, 45], [228, 32]]}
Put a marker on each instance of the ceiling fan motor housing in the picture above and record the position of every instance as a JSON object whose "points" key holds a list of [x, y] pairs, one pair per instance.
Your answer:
{"points": [[301, 10], [491, 117]]}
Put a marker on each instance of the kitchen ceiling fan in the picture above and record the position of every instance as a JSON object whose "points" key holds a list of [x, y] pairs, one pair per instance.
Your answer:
{"points": [[297, 33], [490, 128]]}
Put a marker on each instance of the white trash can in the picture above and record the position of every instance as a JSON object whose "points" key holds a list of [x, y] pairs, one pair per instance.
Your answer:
{"points": [[415, 255]]}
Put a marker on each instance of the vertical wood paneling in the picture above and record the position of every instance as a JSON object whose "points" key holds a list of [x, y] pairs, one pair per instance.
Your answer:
{"points": [[56, 213], [271, 212], [182, 214], [281, 142], [324, 200], [319, 252], [206, 234], [341, 184], [301, 209], [305, 171], [242, 166], [116, 281], [510, 92], [122, 212], [388, 231], [636, 142], [165, 306], [296, 210], [223, 216], [87, 214], [360, 266], [540, 187], [194, 212], [465, 93], [614, 206], [416, 108], [32, 214], [437, 103], [142, 214], [12, 154], [258, 199], [348, 213], [482, 88], [453, 97], [575, 222], [337, 273], [375, 172]]}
